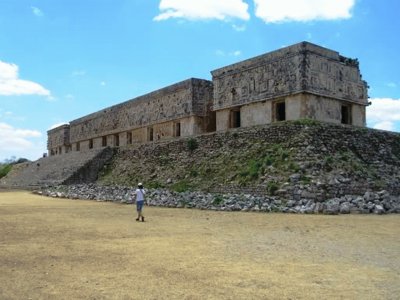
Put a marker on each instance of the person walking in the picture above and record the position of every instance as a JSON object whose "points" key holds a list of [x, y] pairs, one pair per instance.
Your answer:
{"points": [[140, 192]]}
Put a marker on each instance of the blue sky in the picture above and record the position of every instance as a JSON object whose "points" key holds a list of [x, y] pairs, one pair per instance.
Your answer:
{"points": [[63, 59]]}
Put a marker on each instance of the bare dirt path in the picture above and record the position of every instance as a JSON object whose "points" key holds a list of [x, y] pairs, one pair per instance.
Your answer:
{"points": [[71, 249]]}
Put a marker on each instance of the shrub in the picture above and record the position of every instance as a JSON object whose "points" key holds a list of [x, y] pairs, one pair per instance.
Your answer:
{"points": [[272, 187], [194, 173], [192, 144], [254, 169], [155, 185], [181, 186], [269, 160], [5, 169], [217, 200]]}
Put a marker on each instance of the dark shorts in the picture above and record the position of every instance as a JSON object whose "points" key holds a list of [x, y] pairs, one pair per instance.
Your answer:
{"points": [[139, 205]]}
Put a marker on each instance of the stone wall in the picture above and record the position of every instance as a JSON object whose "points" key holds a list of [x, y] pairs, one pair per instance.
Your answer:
{"points": [[312, 81], [303, 67], [296, 167], [318, 161], [72, 167], [377, 203], [179, 101], [58, 140]]}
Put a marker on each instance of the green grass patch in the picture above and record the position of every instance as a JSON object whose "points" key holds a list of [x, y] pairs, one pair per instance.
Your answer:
{"points": [[5, 169], [272, 187], [192, 144], [181, 186], [217, 200], [308, 122], [155, 185]]}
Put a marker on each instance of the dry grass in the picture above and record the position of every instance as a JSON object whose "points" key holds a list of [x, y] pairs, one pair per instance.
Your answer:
{"points": [[65, 249]]}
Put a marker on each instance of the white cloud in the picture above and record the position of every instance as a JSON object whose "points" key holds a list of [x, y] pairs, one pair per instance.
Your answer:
{"points": [[273, 11], [9, 115], [239, 28], [17, 142], [384, 113], [385, 125], [37, 12], [204, 9], [10, 84]]}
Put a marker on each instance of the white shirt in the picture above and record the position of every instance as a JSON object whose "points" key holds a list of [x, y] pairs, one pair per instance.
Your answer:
{"points": [[140, 194]]}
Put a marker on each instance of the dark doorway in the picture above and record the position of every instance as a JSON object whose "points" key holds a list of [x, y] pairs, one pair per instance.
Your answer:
{"points": [[150, 134], [90, 144], [280, 111], [78, 146], [211, 122], [235, 118], [346, 114], [116, 140], [129, 138], [177, 129], [104, 141]]}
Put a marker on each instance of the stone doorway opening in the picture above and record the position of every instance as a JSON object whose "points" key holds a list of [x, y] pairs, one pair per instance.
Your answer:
{"points": [[150, 134], [280, 111], [129, 138], [235, 118], [346, 114], [116, 140], [177, 129]]}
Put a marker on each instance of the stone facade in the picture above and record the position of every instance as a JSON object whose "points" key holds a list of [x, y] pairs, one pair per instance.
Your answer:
{"points": [[296, 82], [58, 140], [181, 109], [300, 81]]}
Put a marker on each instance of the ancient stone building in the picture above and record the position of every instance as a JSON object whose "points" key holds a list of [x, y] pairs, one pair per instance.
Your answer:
{"points": [[58, 140], [296, 82], [299, 81]]}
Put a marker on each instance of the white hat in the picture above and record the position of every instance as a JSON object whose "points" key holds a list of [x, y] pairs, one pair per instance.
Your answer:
{"points": [[139, 184]]}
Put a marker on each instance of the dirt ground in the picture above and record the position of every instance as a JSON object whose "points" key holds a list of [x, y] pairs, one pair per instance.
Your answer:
{"points": [[73, 249]]}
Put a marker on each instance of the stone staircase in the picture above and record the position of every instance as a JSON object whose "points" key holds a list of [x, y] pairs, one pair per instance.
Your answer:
{"points": [[69, 168]]}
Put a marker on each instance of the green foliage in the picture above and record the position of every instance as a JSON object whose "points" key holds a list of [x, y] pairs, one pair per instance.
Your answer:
{"points": [[106, 170], [194, 173], [163, 160], [269, 160], [7, 164], [252, 170], [5, 169], [328, 159], [192, 144], [181, 186], [155, 185], [305, 179], [272, 187], [294, 167], [217, 200]]}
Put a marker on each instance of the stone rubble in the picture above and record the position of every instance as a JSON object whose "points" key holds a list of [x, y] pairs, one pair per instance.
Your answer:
{"points": [[370, 202]]}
